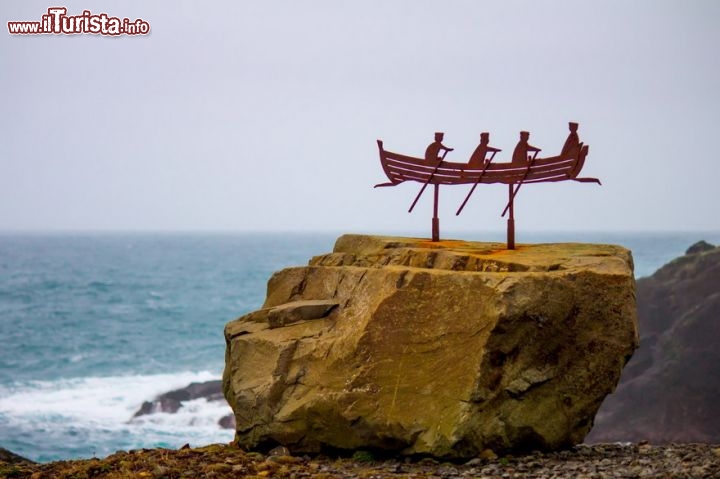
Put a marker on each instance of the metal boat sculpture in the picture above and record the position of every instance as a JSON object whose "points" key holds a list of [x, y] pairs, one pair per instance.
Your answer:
{"points": [[566, 166], [400, 168]]}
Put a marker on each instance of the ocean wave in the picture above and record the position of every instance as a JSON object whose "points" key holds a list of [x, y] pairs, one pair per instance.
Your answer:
{"points": [[194, 413], [101, 398], [94, 415]]}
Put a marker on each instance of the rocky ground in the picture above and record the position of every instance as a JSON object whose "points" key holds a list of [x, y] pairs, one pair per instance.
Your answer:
{"points": [[228, 461]]}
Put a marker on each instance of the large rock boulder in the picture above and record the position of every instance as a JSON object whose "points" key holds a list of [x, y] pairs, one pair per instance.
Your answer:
{"points": [[669, 391], [442, 348]]}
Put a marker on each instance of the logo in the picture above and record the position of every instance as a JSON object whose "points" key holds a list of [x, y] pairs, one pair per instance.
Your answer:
{"points": [[58, 22]]}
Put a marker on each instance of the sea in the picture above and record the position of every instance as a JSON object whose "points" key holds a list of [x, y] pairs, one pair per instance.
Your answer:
{"points": [[93, 324]]}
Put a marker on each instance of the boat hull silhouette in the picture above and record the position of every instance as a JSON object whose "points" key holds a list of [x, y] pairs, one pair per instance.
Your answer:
{"points": [[400, 168]]}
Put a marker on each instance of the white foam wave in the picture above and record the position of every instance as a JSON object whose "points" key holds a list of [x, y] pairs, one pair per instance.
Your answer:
{"points": [[101, 408], [100, 398], [195, 413], [76, 358]]}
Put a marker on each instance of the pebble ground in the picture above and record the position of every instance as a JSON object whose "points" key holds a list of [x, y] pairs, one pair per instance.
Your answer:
{"points": [[227, 461]]}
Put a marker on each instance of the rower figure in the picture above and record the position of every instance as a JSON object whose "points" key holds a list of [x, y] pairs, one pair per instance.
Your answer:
{"points": [[572, 141], [478, 156], [432, 152], [520, 155]]}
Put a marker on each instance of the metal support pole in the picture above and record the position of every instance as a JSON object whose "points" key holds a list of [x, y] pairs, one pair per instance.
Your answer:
{"points": [[436, 220], [511, 220]]}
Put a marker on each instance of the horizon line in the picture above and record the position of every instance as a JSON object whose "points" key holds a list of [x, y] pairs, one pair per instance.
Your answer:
{"points": [[340, 231]]}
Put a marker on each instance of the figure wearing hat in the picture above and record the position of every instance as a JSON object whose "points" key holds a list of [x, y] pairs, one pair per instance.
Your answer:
{"points": [[478, 156], [572, 142], [432, 152], [520, 155]]}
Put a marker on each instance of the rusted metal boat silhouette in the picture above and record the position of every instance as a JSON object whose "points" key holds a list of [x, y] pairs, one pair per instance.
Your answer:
{"points": [[400, 168], [524, 169]]}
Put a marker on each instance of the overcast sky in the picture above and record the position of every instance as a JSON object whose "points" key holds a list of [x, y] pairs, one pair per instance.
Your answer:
{"points": [[263, 115]]}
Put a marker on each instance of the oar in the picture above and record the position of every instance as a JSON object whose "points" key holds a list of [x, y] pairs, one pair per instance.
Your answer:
{"points": [[527, 172], [475, 185], [426, 183]]}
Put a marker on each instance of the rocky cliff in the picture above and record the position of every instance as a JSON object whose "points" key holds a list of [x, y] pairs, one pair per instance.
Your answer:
{"points": [[12, 458], [433, 348], [669, 391]]}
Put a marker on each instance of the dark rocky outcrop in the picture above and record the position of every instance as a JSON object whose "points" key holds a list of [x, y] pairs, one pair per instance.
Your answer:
{"points": [[442, 349], [699, 247], [171, 401], [12, 458], [669, 390], [227, 422]]}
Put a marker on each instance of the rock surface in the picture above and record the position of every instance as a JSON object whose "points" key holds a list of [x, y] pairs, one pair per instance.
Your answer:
{"points": [[445, 349], [669, 391]]}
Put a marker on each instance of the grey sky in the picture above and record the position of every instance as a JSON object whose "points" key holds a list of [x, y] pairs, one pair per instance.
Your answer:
{"points": [[263, 115]]}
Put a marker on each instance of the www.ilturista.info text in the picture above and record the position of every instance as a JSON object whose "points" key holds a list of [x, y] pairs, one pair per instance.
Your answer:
{"points": [[58, 22]]}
